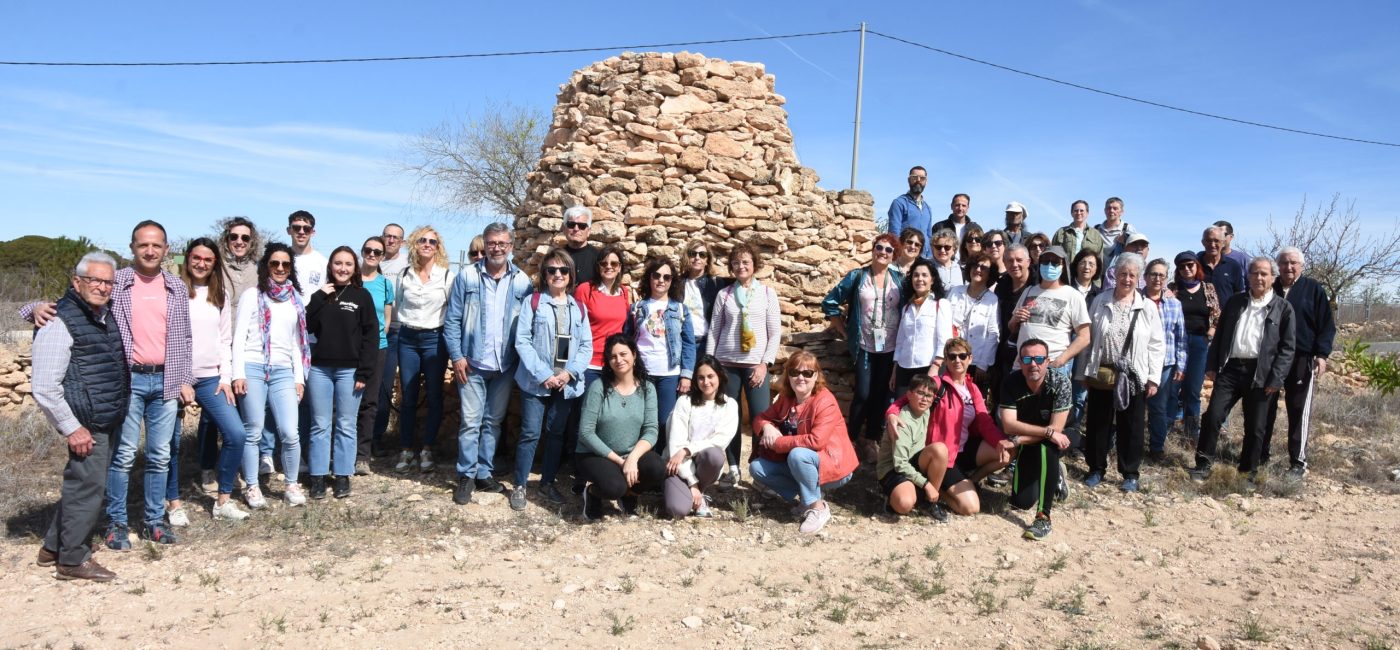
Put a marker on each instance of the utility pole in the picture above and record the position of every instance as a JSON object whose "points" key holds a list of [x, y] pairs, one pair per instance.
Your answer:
{"points": [[860, 85]]}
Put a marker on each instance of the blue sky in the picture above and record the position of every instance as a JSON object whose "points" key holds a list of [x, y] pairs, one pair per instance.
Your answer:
{"points": [[90, 151]]}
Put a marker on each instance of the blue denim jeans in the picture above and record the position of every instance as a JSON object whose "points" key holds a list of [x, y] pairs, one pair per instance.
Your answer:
{"points": [[796, 476], [1195, 374], [333, 398], [278, 395], [386, 386], [665, 403], [422, 356], [542, 416], [484, 399], [1161, 410], [149, 408], [225, 420]]}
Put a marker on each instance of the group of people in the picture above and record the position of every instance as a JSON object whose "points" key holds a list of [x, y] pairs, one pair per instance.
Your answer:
{"points": [[639, 388], [1110, 345]]}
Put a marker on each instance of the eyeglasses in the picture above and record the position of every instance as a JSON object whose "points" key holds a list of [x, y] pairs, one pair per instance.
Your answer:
{"points": [[95, 282], [372, 252], [557, 270], [958, 356], [610, 264], [663, 277], [233, 236], [279, 264], [914, 243], [1158, 275], [805, 374], [576, 225], [427, 240], [923, 394], [943, 247], [1028, 360], [699, 255], [498, 245], [884, 248], [301, 229]]}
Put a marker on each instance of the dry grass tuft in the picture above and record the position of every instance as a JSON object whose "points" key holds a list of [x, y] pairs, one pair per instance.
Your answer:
{"points": [[32, 455]]}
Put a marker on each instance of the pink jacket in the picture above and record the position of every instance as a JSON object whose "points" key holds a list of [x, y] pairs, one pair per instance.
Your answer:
{"points": [[820, 428], [945, 420]]}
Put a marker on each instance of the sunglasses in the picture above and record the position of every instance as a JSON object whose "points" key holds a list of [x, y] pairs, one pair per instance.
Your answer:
{"points": [[477, 253], [610, 264], [805, 374], [576, 225], [278, 264], [557, 270], [958, 356], [372, 252], [995, 243], [914, 242], [300, 229], [700, 255], [983, 268], [427, 240], [884, 248], [943, 247], [237, 237], [1028, 360], [664, 277]]}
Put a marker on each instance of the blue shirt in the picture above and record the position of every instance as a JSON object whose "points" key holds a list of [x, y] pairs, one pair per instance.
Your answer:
{"points": [[905, 212], [382, 291], [1173, 333], [1227, 276], [493, 335]]}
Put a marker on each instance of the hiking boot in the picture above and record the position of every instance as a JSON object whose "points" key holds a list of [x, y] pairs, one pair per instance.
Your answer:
{"points": [[118, 537], [490, 484], [1038, 530], [592, 505], [1129, 485], [89, 570], [517, 498], [252, 495], [46, 557], [159, 533], [406, 460], [552, 494], [814, 519], [462, 494], [425, 461], [1093, 480], [318, 487], [228, 511], [340, 487]]}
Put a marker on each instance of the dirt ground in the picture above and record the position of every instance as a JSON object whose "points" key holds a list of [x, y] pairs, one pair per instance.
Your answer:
{"points": [[399, 564]]}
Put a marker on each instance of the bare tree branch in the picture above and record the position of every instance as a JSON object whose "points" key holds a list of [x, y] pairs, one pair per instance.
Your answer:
{"points": [[479, 161], [1341, 252]]}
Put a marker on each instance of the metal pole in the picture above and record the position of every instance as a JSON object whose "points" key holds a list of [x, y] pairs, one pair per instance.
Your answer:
{"points": [[860, 85]]}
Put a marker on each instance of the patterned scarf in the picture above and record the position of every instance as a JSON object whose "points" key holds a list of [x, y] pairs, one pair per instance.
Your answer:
{"points": [[281, 293], [741, 298]]}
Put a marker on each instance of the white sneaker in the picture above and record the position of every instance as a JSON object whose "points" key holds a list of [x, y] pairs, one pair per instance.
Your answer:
{"points": [[425, 461], [704, 510], [265, 466], [406, 459], [209, 481], [252, 495], [229, 511], [814, 519], [178, 517], [293, 495]]}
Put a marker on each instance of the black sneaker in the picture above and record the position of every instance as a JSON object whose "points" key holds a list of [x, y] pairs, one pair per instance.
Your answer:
{"points": [[1200, 473], [1000, 478], [577, 487], [938, 511], [159, 533], [118, 537], [552, 494], [1038, 530], [318, 487], [462, 495], [341, 487], [592, 505], [490, 484], [1296, 472], [517, 498], [628, 504], [1157, 456]]}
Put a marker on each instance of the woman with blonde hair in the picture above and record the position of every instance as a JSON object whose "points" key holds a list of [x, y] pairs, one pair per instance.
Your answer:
{"points": [[801, 446], [422, 291]]}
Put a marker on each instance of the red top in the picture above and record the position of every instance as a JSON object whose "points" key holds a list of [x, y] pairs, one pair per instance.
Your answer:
{"points": [[820, 428], [606, 314], [945, 418]]}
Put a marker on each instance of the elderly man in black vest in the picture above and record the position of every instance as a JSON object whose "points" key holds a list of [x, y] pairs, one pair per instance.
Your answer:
{"points": [[1314, 332], [82, 385]]}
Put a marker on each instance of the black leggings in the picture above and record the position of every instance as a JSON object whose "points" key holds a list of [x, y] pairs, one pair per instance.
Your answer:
{"points": [[608, 481], [1037, 477], [872, 395]]}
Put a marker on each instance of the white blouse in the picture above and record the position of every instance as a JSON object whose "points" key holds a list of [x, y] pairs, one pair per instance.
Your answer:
{"points": [[422, 305], [923, 329], [977, 321]]}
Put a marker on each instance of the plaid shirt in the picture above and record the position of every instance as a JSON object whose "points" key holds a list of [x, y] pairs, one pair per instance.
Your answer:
{"points": [[179, 351], [1174, 332]]}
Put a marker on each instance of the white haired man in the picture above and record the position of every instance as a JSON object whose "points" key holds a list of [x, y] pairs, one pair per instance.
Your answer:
{"points": [[1313, 332]]}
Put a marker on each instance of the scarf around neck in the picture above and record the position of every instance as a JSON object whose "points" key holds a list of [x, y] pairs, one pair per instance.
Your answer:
{"points": [[281, 292]]}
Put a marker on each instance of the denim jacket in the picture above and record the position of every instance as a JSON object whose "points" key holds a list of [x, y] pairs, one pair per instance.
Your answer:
{"points": [[847, 293], [466, 302], [680, 338], [534, 341]]}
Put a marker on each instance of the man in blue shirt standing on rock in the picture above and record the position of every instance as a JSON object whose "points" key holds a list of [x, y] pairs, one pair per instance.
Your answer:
{"points": [[911, 211]]}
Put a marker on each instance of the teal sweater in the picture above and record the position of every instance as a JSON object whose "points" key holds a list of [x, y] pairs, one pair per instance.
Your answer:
{"points": [[616, 423]]}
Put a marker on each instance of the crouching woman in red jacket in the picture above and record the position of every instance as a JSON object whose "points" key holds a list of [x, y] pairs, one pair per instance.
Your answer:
{"points": [[801, 446]]}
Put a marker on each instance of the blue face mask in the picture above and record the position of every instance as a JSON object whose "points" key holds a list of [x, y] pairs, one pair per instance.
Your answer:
{"points": [[1050, 272]]}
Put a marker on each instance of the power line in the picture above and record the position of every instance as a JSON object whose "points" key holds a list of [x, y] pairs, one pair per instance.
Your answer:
{"points": [[431, 57], [1131, 99]]}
